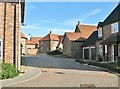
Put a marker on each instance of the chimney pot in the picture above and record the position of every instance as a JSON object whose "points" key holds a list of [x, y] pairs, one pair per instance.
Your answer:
{"points": [[78, 22], [50, 32]]}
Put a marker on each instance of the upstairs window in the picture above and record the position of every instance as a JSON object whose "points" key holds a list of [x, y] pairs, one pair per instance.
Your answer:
{"points": [[114, 27], [1, 49], [100, 32]]}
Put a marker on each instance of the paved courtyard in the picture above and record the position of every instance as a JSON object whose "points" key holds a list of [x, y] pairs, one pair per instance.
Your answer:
{"points": [[63, 72]]}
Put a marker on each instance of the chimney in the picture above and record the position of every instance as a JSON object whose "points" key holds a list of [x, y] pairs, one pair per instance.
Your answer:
{"points": [[78, 22], [50, 32]]}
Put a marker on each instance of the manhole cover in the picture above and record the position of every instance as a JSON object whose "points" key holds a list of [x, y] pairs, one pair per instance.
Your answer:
{"points": [[44, 71], [59, 73], [87, 85]]}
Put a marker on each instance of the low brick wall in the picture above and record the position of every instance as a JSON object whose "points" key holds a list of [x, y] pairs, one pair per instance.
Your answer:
{"points": [[32, 51]]}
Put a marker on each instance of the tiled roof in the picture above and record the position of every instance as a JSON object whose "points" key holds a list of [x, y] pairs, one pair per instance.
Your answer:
{"points": [[28, 42], [84, 32], [50, 36], [60, 40], [114, 16], [114, 38], [23, 36], [87, 29], [73, 36], [60, 37], [92, 39], [35, 39]]}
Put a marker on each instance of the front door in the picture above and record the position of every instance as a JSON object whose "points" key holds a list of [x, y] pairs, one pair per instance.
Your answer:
{"points": [[112, 53], [86, 53]]}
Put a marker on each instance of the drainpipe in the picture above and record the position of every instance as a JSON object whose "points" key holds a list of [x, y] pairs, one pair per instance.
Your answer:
{"points": [[4, 32], [19, 36], [14, 45]]}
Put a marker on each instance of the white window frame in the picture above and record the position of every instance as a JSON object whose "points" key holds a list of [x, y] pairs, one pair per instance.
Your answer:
{"points": [[105, 48], [100, 32], [113, 27], [101, 49], [1, 49]]}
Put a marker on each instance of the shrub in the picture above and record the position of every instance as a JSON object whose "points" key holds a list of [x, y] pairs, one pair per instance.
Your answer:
{"points": [[80, 61], [99, 58], [55, 52], [110, 66], [8, 71]]}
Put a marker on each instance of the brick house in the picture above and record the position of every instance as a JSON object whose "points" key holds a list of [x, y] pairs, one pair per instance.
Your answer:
{"points": [[36, 40], [92, 47], [32, 45], [89, 46], [72, 41], [50, 42], [111, 35], [23, 43], [9, 31]]}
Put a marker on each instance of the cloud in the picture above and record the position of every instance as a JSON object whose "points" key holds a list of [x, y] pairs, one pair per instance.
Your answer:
{"points": [[96, 11], [72, 21], [54, 29]]}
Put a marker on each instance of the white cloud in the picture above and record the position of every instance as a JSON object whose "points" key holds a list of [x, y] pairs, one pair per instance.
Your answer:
{"points": [[31, 27], [72, 21], [96, 11]]}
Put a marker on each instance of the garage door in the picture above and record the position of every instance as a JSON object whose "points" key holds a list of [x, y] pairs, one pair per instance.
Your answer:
{"points": [[93, 53], [86, 53]]}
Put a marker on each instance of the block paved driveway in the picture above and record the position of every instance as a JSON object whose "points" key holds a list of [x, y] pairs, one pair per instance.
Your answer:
{"points": [[63, 72]]}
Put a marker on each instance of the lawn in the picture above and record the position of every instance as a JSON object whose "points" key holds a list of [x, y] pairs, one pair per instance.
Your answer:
{"points": [[113, 66]]}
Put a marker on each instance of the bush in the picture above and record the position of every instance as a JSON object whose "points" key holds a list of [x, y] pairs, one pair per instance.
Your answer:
{"points": [[80, 61], [110, 66], [55, 52], [8, 71]]}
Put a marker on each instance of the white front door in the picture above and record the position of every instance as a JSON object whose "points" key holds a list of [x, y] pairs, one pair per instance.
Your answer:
{"points": [[112, 53]]}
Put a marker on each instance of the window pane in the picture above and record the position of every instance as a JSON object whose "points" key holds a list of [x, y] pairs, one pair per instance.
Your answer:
{"points": [[114, 27]]}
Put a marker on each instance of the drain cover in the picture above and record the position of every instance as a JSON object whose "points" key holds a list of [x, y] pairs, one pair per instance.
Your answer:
{"points": [[44, 71], [87, 85], [59, 73]]}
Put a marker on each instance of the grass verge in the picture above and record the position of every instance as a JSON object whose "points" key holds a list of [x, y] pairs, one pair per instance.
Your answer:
{"points": [[113, 66]]}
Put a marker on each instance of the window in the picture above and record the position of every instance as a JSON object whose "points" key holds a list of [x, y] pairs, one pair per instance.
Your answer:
{"points": [[114, 27], [1, 49], [100, 32], [100, 49], [105, 48]]}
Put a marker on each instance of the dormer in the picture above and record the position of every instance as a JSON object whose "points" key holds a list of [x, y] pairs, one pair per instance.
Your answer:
{"points": [[100, 30]]}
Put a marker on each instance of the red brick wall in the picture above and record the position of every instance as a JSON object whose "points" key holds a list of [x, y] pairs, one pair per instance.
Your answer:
{"points": [[9, 31], [106, 31], [119, 26], [1, 19]]}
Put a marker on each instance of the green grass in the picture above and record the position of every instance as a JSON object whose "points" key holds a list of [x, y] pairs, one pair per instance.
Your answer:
{"points": [[113, 66]]}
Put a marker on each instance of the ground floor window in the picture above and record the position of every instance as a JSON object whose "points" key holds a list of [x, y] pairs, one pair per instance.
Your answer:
{"points": [[101, 49], [1, 49], [105, 48]]}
